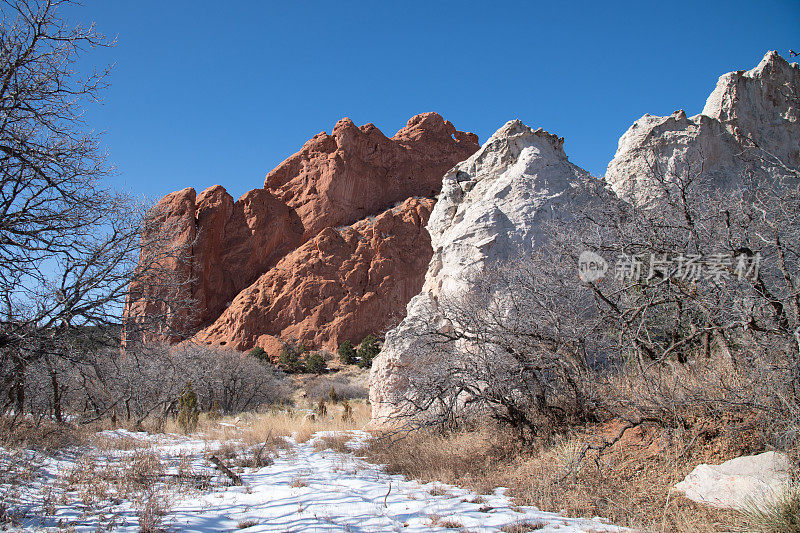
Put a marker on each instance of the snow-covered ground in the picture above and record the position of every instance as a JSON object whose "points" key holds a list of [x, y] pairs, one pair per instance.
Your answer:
{"points": [[306, 488]]}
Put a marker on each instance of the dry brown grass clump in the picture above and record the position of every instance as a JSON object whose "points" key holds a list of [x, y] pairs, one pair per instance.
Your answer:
{"points": [[468, 458], [628, 483], [256, 427], [783, 517], [150, 511], [44, 435], [299, 482], [337, 443], [524, 526], [97, 479]]}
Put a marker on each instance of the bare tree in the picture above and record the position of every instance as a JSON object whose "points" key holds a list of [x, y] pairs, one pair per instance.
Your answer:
{"points": [[147, 381], [69, 245], [699, 314], [512, 348]]}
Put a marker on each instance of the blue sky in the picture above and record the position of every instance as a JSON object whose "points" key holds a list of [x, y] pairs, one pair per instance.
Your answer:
{"points": [[221, 92]]}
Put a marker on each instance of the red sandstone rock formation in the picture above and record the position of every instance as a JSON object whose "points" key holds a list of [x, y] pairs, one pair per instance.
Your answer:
{"points": [[237, 242], [356, 172], [334, 180], [150, 305], [342, 284]]}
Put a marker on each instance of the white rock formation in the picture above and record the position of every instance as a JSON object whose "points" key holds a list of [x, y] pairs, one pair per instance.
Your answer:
{"points": [[493, 204], [492, 207], [750, 118], [744, 483]]}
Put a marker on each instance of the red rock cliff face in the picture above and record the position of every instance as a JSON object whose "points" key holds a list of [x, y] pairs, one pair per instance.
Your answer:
{"points": [[342, 284], [237, 242], [357, 171], [147, 308], [274, 263]]}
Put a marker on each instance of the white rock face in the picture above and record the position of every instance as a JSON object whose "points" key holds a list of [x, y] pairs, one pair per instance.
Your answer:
{"points": [[493, 204], [749, 118], [492, 207], [744, 483]]}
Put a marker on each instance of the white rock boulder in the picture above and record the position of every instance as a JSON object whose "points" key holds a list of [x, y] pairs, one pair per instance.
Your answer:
{"points": [[745, 483]]}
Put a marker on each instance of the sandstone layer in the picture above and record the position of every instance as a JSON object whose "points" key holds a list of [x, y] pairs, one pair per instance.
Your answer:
{"points": [[341, 285], [333, 181]]}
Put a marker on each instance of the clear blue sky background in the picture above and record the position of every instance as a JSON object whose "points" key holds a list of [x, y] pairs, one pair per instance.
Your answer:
{"points": [[207, 92]]}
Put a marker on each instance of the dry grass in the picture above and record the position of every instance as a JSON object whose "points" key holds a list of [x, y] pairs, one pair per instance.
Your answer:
{"points": [[17, 469], [92, 481], [250, 427], [439, 491], [251, 440], [337, 443], [783, 517], [449, 523], [138, 475], [524, 526], [629, 484], [141, 469], [150, 510], [98, 480], [257, 427], [351, 383], [44, 435], [469, 458]]}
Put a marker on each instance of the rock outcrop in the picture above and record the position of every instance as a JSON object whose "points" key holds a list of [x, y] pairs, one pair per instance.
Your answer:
{"points": [[333, 181], [750, 122], [356, 171], [493, 207], [342, 284], [236, 242], [146, 308]]}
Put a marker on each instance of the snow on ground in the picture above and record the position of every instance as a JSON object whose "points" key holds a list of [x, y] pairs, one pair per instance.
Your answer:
{"points": [[305, 489]]}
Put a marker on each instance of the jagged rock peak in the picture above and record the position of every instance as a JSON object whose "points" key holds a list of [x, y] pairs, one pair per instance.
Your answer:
{"points": [[748, 112], [508, 176], [506, 146], [335, 180], [494, 206], [774, 83], [357, 171]]}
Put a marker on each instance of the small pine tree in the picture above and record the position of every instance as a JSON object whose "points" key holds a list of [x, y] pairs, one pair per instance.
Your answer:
{"points": [[289, 359], [332, 396], [315, 363], [260, 353], [188, 409], [347, 411], [322, 409], [347, 354], [367, 351], [214, 412]]}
